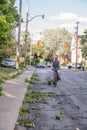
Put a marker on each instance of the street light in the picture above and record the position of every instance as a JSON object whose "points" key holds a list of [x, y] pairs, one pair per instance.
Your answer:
{"points": [[26, 32], [37, 16]]}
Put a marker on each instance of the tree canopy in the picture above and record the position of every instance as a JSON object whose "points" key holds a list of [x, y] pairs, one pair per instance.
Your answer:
{"points": [[9, 16], [57, 41], [4, 30], [84, 44]]}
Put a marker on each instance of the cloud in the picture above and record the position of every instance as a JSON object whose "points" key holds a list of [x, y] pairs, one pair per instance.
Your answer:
{"points": [[66, 25], [82, 19], [69, 16], [64, 16]]}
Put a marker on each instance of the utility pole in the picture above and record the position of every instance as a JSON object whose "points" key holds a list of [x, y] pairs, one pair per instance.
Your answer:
{"points": [[77, 24], [19, 35], [26, 34]]}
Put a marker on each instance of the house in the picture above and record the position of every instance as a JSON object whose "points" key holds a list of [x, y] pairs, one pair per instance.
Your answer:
{"points": [[76, 54]]}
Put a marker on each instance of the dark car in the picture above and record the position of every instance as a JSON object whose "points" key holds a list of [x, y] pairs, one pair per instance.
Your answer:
{"points": [[8, 62], [70, 66], [73, 66]]}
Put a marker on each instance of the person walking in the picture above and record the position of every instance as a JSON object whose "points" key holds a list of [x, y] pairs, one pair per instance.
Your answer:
{"points": [[83, 66]]}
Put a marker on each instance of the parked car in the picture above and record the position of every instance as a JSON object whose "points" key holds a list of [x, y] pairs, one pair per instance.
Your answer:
{"points": [[8, 62], [40, 65], [73, 66]]}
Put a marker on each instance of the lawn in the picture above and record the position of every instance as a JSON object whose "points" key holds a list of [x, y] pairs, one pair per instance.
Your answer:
{"points": [[5, 73]]}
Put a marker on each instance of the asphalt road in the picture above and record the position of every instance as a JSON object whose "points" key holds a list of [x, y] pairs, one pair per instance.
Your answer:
{"points": [[68, 101], [75, 84], [73, 88]]}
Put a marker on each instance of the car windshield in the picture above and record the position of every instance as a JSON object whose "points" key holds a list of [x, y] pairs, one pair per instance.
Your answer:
{"points": [[9, 60]]}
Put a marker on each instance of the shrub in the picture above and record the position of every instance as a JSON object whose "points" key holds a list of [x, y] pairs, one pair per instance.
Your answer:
{"points": [[49, 82], [1, 89]]}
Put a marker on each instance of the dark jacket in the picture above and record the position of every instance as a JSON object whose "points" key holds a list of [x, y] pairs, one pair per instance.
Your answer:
{"points": [[56, 65]]}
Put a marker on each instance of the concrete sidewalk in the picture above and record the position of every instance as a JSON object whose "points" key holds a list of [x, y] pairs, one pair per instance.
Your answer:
{"points": [[10, 103]]}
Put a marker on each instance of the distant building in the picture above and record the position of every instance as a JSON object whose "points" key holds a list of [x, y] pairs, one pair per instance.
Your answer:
{"points": [[73, 50]]}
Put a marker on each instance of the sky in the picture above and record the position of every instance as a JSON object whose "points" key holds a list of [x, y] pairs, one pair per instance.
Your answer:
{"points": [[58, 13]]}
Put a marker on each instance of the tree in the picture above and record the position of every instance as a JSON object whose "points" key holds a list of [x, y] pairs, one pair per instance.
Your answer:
{"points": [[38, 48], [84, 52], [55, 41], [9, 11], [84, 44], [8, 19], [4, 30]]}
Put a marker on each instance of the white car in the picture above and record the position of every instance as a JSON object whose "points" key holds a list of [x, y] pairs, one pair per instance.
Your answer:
{"points": [[40, 65], [8, 62]]}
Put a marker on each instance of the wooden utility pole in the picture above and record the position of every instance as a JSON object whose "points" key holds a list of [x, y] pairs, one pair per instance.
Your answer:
{"points": [[26, 35], [19, 35], [77, 23]]}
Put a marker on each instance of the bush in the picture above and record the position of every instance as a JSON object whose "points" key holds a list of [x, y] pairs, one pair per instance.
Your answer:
{"points": [[22, 65], [63, 64], [49, 82], [1, 89]]}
